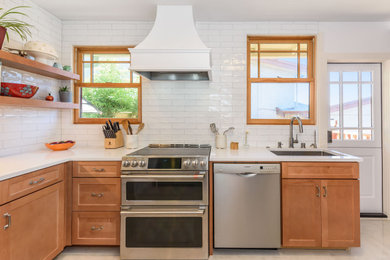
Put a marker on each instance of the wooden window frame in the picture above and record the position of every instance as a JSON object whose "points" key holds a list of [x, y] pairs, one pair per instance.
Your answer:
{"points": [[78, 51], [310, 40]]}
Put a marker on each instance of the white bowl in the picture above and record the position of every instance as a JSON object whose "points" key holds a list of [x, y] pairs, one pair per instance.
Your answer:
{"points": [[41, 51]]}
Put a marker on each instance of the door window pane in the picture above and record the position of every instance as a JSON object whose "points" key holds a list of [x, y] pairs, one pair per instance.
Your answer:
{"points": [[111, 72], [109, 103], [350, 105], [111, 57], [335, 134], [280, 100], [278, 65], [350, 134], [86, 57], [366, 105], [278, 47], [367, 135], [254, 65], [334, 105], [350, 76], [334, 76], [303, 65], [87, 72], [254, 47], [303, 47], [366, 76], [136, 78]]}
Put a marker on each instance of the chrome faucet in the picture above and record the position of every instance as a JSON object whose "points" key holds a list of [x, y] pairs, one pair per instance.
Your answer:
{"points": [[293, 141]]}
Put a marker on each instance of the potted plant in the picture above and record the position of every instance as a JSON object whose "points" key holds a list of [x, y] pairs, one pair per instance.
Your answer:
{"points": [[20, 27], [65, 94]]}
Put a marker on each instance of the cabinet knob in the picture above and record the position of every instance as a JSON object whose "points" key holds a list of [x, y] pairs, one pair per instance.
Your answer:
{"points": [[99, 195], [93, 228], [98, 170], [325, 191], [8, 217], [318, 191]]}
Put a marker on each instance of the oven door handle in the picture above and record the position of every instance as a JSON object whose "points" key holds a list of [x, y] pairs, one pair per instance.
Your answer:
{"points": [[163, 212], [134, 176]]}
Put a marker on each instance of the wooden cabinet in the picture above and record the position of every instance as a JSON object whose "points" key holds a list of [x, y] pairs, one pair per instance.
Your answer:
{"points": [[320, 213], [35, 225], [95, 228], [96, 194], [96, 203], [320, 170], [96, 169], [301, 213]]}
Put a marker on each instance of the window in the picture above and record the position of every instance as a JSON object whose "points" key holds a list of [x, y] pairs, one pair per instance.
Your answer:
{"points": [[107, 89], [280, 79]]}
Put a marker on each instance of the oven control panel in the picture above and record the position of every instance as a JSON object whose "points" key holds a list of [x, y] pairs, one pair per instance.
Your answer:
{"points": [[164, 163]]}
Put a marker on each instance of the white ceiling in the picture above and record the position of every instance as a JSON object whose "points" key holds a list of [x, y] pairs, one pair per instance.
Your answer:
{"points": [[224, 10]]}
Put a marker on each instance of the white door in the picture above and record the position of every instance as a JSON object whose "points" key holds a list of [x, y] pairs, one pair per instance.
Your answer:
{"points": [[355, 122]]}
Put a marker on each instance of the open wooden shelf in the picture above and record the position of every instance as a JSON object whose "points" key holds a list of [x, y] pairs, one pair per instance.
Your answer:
{"points": [[18, 62], [26, 102]]}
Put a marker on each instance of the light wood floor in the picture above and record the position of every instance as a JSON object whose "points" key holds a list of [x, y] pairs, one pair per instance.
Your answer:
{"points": [[375, 241]]}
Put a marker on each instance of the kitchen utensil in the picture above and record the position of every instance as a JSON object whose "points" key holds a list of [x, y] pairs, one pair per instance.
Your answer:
{"points": [[111, 125], [227, 130], [213, 128], [132, 141], [140, 127], [129, 126], [220, 141], [18, 90], [60, 146], [125, 126], [117, 126]]}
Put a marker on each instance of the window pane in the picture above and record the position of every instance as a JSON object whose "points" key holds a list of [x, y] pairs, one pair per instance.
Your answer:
{"points": [[351, 135], [278, 65], [335, 134], [303, 47], [254, 65], [350, 76], [109, 103], [87, 57], [86, 72], [366, 105], [279, 100], [136, 78], [334, 76], [111, 57], [278, 47], [367, 135], [254, 47], [366, 76], [303, 64], [111, 72], [334, 101], [350, 105]]}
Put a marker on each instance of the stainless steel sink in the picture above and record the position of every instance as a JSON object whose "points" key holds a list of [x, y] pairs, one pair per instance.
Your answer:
{"points": [[301, 153]]}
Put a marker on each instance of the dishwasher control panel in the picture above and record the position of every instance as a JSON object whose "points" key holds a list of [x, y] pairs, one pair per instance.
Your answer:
{"points": [[247, 168]]}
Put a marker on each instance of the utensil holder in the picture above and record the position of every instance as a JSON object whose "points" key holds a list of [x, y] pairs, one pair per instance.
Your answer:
{"points": [[131, 141], [113, 143], [220, 141]]}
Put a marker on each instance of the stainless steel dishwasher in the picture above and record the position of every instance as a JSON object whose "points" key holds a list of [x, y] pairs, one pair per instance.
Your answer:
{"points": [[247, 205]]}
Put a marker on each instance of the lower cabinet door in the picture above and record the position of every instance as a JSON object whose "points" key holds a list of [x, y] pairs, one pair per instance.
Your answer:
{"points": [[32, 227], [301, 213], [95, 228], [340, 213]]}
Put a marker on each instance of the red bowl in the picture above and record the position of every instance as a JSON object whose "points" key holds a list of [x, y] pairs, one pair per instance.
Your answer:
{"points": [[18, 90]]}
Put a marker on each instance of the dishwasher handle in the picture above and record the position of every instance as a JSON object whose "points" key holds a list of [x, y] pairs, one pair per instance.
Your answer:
{"points": [[247, 174]]}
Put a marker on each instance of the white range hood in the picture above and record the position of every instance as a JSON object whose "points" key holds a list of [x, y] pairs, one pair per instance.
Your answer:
{"points": [[173, 49]]}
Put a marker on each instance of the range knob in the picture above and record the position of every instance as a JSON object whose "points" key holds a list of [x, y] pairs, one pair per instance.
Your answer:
{"points": [[202, 164], [142, 163], [126, 163], [134, 163], [195, 163], [187, 163]]}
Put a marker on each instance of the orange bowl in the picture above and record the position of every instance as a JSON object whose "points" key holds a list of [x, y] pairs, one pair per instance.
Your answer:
{"points": [[59, 147]]}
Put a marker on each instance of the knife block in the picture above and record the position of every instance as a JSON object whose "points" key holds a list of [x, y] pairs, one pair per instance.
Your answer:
{"points": [[113, 143]]}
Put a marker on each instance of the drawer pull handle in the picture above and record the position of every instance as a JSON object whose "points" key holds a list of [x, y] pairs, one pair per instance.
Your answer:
{"points": [[99, 195], [325, 191], [37, 181], [318, 191], [98, 170], [93, 228], [8, 225]]}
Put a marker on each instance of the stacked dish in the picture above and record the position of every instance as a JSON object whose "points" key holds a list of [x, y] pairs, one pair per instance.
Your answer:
{"points": [[42, 52]]}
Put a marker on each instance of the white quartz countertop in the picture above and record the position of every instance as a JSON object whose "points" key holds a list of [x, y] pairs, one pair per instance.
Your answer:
{"points": [[15, 165]]}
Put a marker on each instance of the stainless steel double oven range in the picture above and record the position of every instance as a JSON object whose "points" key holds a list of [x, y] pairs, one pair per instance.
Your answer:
{"points": [[164, 213]]}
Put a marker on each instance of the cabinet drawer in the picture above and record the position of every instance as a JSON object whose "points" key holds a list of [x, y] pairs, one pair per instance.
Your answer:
{"points": [[319, 170], [95, 228], [96, 169], [96, 194], [17, 187]]}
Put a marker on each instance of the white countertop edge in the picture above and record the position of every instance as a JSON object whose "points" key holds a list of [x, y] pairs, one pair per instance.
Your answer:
{"points": [[20, 164]]}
